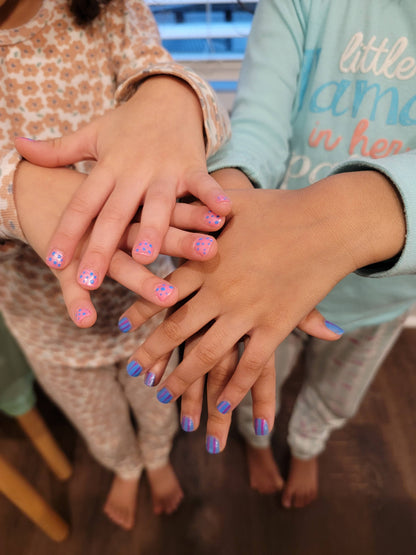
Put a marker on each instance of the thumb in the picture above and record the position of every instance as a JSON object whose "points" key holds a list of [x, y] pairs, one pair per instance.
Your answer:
{"points": [[315, 324], [80, 145]]}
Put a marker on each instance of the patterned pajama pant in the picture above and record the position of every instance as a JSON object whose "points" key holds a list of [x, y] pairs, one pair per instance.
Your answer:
{"points": [[98, 401], [338, 374]]}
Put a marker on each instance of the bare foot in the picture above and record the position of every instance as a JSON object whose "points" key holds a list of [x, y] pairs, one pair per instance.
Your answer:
{"points": [[166, 490], [264, 473], [120, 506], [302, 485]]}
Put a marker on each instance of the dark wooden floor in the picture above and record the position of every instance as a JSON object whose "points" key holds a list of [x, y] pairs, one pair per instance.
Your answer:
{"points": [[367, 504]]}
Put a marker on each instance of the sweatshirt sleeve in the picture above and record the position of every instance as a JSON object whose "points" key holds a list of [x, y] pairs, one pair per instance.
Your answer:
{"points": [[11, 234], [266, 96], [401, 171], [137, 54]]}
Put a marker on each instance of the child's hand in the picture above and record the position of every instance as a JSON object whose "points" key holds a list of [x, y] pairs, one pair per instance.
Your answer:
{"points": [[149, 151], [41, 195], [279, 255]]}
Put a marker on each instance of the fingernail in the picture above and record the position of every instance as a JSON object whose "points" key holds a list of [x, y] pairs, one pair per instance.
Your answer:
{"points": [[202, 245], [81, 314], [144, 247], [223, 198], [334, 327], [55, 258], [87, 277], [163, 290], [187, 424], [134, 369], [150, 379], [261, 427], [212, 445], [224, 407], [212, 219], [164, 396], [124, 324]]}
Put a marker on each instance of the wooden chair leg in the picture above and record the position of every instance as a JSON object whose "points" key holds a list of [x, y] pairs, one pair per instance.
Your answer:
{"points": [[35, 427], [18, 490]]}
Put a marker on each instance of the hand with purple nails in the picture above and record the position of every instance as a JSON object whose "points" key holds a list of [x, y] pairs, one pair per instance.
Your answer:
{"points": [[141, 161], [277, 260]]}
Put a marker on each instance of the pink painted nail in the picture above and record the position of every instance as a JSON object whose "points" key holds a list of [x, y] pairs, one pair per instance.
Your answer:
{"points": [[163, 290], [144, 247], [81, 314], [223, 198], [55, 258], [212, 219], [202, 245], [87, 277]]}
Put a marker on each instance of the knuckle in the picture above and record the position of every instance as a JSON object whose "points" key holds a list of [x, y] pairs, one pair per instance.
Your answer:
{"points": [[78, 207], [147, 355], [216, 419], [172, 330], [252, 365], [114, 216], [239, 389], [219, 377], [206, 354]]}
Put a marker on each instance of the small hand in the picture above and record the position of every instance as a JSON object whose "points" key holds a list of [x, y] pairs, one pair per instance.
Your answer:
{"points": [[41, 194], [149, 151], [279, 255]]}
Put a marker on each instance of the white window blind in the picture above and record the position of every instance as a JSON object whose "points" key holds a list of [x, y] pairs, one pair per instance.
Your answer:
{"points": [[209, 36], [200, 30]]}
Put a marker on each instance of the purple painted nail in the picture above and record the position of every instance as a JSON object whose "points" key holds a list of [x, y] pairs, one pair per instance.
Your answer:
{"points": [[134, 369], [144, 247], [261, 427], [164, 396], [333, 327], [55, 258], [224, 407], [212, 219], [150, 379], [124, 324], [202, 245], [87, 277], [212, 445], [187, 424], [163, 290]]}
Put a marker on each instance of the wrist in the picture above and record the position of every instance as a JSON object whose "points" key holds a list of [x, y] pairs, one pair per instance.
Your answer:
{"points": [[366, 216], [46, 191], [232, 178]]}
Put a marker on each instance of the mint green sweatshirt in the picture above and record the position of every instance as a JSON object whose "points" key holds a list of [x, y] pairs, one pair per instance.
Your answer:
{"points": [[330, 86]]}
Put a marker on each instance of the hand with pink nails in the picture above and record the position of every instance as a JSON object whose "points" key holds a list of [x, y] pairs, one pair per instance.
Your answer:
{"points": [[149, 152], [41, 195]]}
